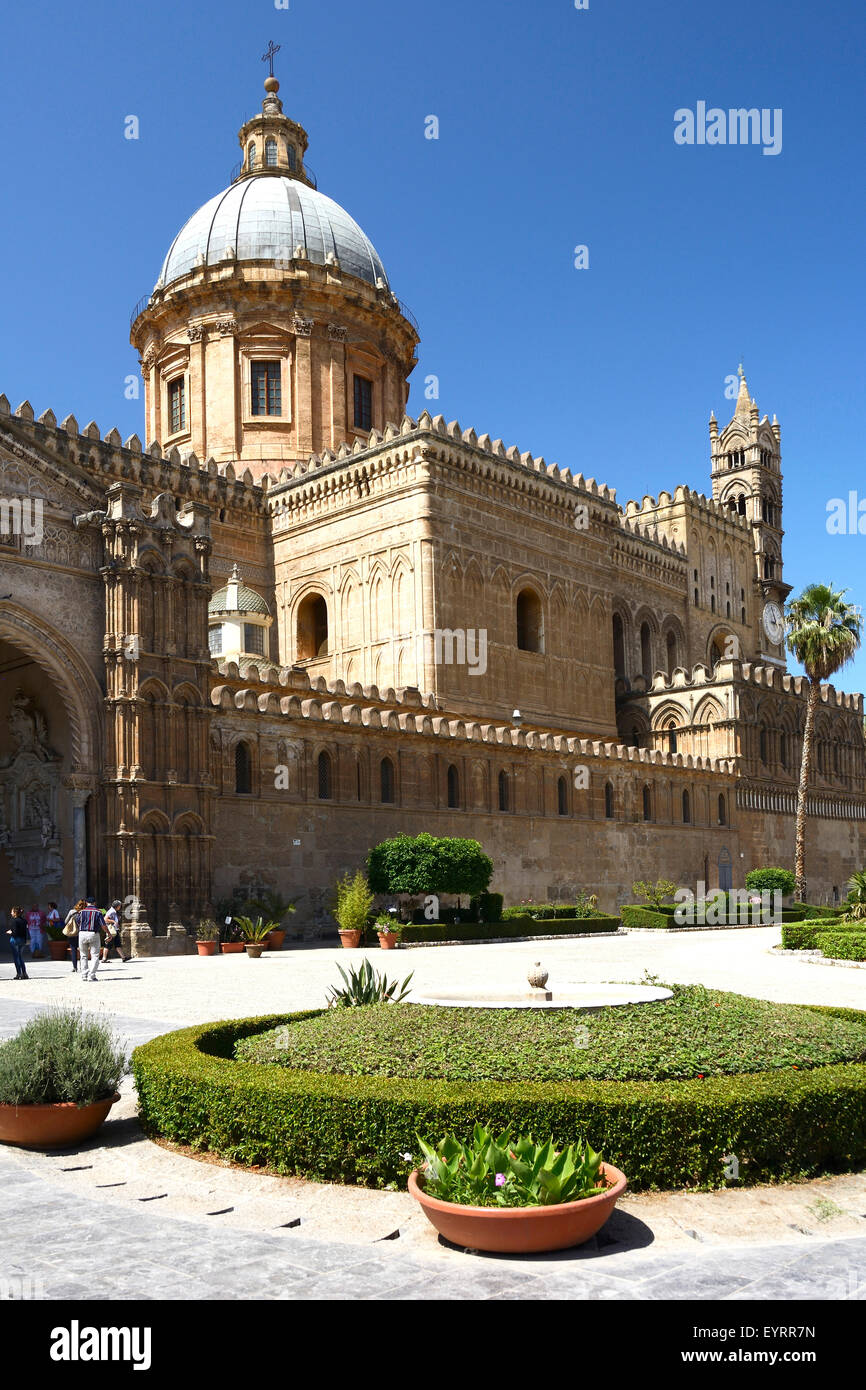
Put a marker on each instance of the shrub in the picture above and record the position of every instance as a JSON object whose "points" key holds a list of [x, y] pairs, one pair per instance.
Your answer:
{"points": [[632, 915], [510, 927], [857, 894], [654, 893], [352, 902], [843, 945], [545, 911], [429, 864], [803, 936], [486, 907], [771, 880], [60, 1055], [365, 986], [509, 1170], [785, 1125]]}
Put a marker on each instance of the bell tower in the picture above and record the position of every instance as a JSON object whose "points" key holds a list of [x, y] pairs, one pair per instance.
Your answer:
{"points": [[747, 479]]}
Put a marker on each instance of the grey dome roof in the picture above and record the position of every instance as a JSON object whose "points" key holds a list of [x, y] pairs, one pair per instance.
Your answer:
{"points": [[264, 217], [248, 602]]}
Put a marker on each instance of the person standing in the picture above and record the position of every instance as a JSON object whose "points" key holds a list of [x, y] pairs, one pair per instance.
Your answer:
{"points": [[113, 940], [17, 932], [91, 926], [70, 931], [35, 926]]}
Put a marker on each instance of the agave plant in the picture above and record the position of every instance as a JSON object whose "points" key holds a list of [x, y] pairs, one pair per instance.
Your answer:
{"points": [[507, 1172], [254, 930], [367, 986]]}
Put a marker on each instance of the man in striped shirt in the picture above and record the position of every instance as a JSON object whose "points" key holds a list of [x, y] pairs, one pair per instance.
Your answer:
{"points": [[91, 927]]}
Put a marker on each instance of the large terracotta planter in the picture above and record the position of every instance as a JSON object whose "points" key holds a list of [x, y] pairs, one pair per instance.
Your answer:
{"points": [[58, 950], [206, 948], [254, 949], [232, 948], [276, 939], [52, 1126], [350, 939], [387, 940], [521, 1230]]}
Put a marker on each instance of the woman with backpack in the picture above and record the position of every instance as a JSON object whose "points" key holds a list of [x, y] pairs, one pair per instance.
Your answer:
{"points": [[70, 931]]}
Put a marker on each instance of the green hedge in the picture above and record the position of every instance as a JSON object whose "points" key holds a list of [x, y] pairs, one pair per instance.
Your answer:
{"points": [[631, 915], [843, 945], [547, 910], [803, 936], [513, 926], [781, 1125]]}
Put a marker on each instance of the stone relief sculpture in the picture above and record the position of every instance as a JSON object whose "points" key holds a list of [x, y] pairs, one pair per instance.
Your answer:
{"points": [[29, 798]]}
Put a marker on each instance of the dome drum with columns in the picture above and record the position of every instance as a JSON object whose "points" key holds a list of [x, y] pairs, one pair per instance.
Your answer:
{"points": [[322, 358]]}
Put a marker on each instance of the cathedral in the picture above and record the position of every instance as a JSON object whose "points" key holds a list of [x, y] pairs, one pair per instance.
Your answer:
{"points": [[291, 621]]}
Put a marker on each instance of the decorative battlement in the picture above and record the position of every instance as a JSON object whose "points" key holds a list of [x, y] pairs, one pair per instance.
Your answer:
{"points": [[694, 501], [752, 673], [109, 457], [324, 704]]}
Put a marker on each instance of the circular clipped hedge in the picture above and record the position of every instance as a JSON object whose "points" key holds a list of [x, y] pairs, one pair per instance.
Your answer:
{"points": [[697, 1033], [355, 1129]]}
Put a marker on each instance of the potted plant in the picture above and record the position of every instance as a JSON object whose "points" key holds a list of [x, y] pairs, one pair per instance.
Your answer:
{"points": [[58, 944], [231, 941], [58, 1079], [275, 907], [512, 1195], [351, 908], [207, 937], [254, 934], [388, 930]]}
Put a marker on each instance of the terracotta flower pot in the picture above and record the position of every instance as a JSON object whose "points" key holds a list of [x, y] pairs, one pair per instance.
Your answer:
{"points": [[206, 948], [254, 948], [387, 940], [350, 939], [58, 950], [521, 1230], [52, 1126], [276, 939], [232, 948]]}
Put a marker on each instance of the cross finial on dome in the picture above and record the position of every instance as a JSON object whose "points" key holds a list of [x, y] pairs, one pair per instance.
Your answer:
{"points": [[269, 56]]}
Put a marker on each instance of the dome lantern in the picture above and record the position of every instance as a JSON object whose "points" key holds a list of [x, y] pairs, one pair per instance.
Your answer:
{"points": [[272, 143]]}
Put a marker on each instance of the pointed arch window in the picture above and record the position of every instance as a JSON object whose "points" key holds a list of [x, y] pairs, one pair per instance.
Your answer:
{"points": [[762, 743], [530, 624], [608, 801], [453, 787], [647, 803], [562, 797], [325, 776], [243, 769], [503, 792], [723, 809], [646, 656], [386, 781], [687, 809], [618, 646], [671, 644]]}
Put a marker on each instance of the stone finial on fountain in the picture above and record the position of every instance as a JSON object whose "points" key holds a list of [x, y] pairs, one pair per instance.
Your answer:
{"points": [[537, 978]]}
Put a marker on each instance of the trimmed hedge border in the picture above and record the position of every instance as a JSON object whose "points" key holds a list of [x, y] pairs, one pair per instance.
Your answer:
{"points": [[506, 930], [549, 910], [781, 1125], [842, 945], [803, 936]]}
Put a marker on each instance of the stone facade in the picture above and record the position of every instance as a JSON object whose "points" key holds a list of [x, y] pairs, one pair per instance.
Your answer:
{"points": [[454, 635]]}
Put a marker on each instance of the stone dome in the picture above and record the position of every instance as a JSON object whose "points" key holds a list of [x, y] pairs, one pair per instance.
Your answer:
{"points": [[235, 597], [266, 217]]}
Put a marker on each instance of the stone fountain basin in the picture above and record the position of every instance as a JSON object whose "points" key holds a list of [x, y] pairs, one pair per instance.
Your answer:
{"points": [[586, 998]]}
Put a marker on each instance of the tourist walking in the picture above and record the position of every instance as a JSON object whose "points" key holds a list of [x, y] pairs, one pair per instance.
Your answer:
{"points": [[113, 941], [36, 928], [17, 933], [91, 925], [70, 931]]}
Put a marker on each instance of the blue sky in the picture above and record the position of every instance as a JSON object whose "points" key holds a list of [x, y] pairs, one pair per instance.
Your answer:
{"points": [[556, 129]]}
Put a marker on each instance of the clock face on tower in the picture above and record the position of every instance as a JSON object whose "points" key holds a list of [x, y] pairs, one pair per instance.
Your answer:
{"points": [[774, 623]]}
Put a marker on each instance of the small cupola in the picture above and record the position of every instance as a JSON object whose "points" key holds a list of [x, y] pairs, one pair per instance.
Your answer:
{"points": [[238, 621], [270, 142]]}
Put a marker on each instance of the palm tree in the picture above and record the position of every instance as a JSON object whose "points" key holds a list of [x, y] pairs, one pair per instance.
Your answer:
{"points": [[823, 634]]}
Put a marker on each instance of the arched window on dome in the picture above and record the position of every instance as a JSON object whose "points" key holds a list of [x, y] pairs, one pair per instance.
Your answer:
{"points": [[251, 155], [270, 153], [291, 157]]}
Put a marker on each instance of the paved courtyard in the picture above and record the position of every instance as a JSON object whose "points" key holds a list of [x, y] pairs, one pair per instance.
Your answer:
{"points": [[159, 1224]]}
